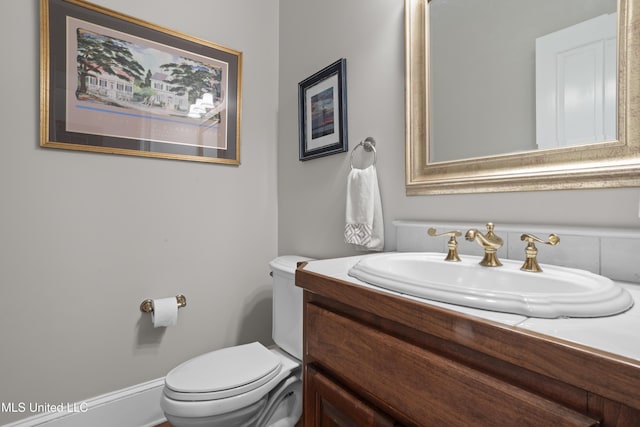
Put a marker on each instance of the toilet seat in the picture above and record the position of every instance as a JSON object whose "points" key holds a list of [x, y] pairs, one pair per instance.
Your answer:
{"points": [[223, 373], [182, 404]]}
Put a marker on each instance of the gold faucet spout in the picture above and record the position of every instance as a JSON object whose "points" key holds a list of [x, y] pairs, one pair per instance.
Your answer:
{"points": [[490, 242]]}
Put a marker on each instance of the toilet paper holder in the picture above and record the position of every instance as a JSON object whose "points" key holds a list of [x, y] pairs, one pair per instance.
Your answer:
{"points": [[147, 305]]}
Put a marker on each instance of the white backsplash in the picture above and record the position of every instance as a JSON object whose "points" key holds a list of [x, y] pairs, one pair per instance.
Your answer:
{"points": [[611, 252]]}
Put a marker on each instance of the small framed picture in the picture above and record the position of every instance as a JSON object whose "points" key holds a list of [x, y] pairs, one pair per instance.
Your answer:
{"points": [[322, 110]]}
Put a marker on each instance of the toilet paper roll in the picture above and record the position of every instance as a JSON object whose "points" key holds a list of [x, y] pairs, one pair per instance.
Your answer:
{"points": [[165, 312]]}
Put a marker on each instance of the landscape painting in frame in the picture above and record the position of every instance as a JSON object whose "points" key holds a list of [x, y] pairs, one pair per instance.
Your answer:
{"points": [[115, 84]]}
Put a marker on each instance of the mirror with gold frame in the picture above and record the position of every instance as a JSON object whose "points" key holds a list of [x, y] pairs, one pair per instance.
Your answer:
{"points": [[612, 163]]}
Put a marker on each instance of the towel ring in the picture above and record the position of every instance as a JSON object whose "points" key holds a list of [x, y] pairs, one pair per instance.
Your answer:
{"points": [[369, 145]]}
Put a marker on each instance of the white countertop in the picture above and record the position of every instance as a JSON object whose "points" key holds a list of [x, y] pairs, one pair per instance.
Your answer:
{"points": [[619, 334]]}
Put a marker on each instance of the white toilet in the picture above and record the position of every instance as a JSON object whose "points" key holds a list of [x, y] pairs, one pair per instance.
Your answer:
{"points": [[246, 385]]}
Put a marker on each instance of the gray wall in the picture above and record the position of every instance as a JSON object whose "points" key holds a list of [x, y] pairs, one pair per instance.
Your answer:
{"points": [[311, 195], [85, 237]]}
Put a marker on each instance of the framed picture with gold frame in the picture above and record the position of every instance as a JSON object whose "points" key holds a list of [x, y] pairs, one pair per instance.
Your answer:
{"points": [[112, 83]]}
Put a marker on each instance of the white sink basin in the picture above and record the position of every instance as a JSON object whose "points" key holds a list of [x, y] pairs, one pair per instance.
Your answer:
{"points": [[555, 292]]}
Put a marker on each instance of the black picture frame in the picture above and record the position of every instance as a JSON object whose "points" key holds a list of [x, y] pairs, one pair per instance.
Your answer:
{"points": [[132, 107], [322, 112]]}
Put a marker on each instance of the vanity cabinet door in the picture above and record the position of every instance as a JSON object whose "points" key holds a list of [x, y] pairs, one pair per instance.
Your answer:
{"points": [[419, 387], [329, 405], [613, 414]]}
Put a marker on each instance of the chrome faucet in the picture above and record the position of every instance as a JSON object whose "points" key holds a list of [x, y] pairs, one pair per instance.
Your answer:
{"points": [[490, 242]]}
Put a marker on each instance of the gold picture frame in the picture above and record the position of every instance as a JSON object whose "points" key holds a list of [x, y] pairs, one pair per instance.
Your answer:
{"points": [[111, 83]]}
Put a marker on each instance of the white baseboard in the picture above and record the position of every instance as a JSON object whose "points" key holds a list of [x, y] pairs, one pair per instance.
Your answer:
{"points": [[135, 406]]}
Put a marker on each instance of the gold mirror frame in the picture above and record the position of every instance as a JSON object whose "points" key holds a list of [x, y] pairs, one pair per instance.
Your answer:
{"points": [[600, 165]]}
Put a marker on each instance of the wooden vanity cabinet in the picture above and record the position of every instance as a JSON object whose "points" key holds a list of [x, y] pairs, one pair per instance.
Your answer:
{"points": [[374, 359]]}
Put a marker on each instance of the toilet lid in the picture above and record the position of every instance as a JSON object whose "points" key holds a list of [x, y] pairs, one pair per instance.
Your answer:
{"points": [[226, 372]]}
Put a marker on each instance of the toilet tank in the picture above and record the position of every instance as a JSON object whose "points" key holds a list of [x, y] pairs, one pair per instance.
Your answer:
{"points": [[287, 305]]}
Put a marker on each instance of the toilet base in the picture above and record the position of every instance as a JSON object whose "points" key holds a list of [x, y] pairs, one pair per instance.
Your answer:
{"points": [[243, 417], [282, 407]]}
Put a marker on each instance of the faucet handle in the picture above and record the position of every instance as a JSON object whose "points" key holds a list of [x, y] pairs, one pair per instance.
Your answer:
{"points": [[452, 245], [531, 263]]}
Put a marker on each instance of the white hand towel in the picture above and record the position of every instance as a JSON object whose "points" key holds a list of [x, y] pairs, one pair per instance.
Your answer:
{"points": [[364, 223]]}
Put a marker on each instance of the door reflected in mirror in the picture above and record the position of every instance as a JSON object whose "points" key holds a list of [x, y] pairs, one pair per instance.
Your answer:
{"points": [[520, 75]]}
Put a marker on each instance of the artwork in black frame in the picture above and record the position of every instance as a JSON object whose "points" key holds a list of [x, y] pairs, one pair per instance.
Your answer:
{"points": [[322, 112]]}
